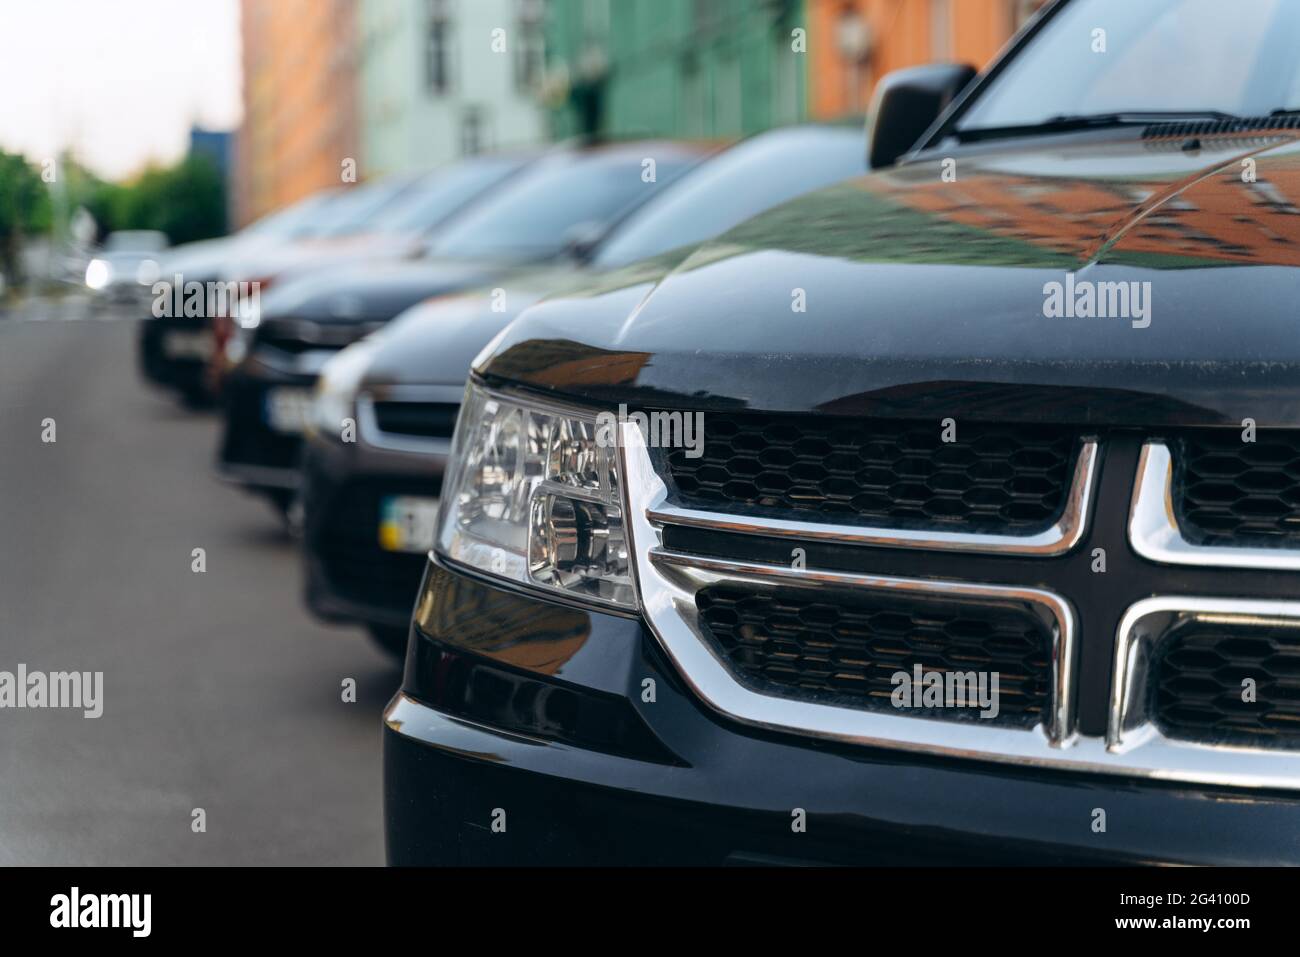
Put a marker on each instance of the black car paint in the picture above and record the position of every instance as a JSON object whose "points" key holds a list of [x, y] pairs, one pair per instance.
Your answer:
{"points": [[919, 309], [889, 303]]}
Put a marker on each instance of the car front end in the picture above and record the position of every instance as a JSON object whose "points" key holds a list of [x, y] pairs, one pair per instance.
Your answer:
{"points": [[947, 515]]}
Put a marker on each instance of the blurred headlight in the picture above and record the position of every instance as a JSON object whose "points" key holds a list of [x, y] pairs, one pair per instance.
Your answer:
{"points": [[98, 274], [532, 497], [249, 313], [336, 389], [147, 273]]}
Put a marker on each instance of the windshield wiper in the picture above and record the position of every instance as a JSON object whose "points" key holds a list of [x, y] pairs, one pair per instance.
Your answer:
{"points": [[1067, 123]]}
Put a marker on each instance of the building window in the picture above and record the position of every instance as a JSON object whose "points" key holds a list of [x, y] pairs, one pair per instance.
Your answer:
{"points": [[437, 53], [530, 49], [473, 132]]}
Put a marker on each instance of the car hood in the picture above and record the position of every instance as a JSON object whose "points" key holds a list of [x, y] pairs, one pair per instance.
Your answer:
{"points": [[295, 259], [372, 291], [434, 342], [907, 293]]}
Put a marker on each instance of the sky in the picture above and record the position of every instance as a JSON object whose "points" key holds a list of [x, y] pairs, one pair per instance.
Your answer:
{"points": [[118, 81]]}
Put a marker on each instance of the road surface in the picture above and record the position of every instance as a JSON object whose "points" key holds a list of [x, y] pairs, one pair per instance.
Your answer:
{"points": [[220, 692]]}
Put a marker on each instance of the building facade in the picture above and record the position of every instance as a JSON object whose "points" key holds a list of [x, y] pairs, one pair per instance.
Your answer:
{"points": [[439, 79], [300, 106], [853, 43], [689, 68], [727, 68]]}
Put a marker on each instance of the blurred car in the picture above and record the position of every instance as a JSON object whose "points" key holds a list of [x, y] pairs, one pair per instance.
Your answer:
{"points": [[370, 504], [392, 218], [945, 514], [127, 265], [175, 350], [556, 204]]}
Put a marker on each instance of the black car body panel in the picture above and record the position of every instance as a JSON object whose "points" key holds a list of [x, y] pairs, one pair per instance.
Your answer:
{"points": [[925, 301], [889, 301], [537, 709]]}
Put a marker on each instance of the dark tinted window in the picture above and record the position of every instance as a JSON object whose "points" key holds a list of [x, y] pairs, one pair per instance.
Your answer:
{"points": [[742, 182], [533, 214], [440, 194]]}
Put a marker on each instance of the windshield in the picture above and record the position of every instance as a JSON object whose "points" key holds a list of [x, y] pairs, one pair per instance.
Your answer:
{"points": [[740, 183], [292, 220], [1123, 56], [353, 211], [533, 216], [440, 194]]}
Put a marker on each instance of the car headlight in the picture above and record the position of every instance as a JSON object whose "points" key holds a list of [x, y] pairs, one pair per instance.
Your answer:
{"points": [[336, 389], [148, 272], [98, 274], [533, 496]]}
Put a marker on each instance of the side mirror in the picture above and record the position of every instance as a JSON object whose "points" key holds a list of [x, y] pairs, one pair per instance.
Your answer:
{"points": [[907, 103], [581, 239]]}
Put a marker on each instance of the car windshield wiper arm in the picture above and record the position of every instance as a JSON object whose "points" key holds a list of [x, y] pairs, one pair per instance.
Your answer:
{"points": [[1065, 123]]}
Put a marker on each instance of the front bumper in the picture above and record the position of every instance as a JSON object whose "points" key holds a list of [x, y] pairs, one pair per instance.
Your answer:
{"points": [[252, 453], [350, 577], [522, 711], [186, 373]]}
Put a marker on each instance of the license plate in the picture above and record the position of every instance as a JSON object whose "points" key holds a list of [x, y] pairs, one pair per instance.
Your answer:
{"points": [[407, 523], [287, 409], [187, 345]]}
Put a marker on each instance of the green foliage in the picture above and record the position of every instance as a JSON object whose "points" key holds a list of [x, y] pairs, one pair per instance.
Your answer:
{"points": [[186, 201], [24, 198]]}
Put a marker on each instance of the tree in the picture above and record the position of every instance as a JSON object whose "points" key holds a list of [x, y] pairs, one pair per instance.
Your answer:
{"points": [[186, 201], [24, 208]]}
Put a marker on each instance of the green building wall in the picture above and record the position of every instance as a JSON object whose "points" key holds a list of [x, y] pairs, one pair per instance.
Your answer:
{"points": [[682, 68]]}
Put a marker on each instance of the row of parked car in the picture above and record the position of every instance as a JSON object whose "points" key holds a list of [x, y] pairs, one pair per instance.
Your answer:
{"points": [[985, 541], [340, 385]]}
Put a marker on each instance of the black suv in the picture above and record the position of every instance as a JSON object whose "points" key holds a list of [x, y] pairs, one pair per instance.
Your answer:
{"points": [[951, 514]]}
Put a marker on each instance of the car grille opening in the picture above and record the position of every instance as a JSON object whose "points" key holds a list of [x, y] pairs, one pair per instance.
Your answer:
{"points": [[1199, 683], [1233, 493], [297, 335], [430, 420], [844, 646], [887, 473]]}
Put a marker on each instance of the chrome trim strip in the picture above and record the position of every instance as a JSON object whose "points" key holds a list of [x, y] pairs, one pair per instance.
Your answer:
{"points": [[372, 435], [1054, 612], [1061, 538], [1155, 535], [1129, 728], [667, 582]]}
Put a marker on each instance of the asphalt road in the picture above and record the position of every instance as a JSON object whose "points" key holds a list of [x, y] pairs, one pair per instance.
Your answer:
{"points": [[220, 691]]}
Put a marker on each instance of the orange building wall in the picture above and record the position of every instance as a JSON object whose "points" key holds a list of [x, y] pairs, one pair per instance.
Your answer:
{"points": [[905, 34], [300, 105]]}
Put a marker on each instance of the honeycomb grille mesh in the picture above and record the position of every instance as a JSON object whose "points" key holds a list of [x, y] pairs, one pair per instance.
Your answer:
{"points": [[844, 647], [992, 478], [1230, 492], [1200, 678]]}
